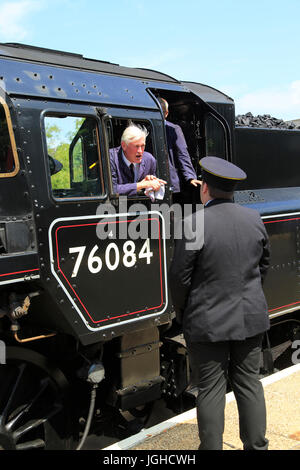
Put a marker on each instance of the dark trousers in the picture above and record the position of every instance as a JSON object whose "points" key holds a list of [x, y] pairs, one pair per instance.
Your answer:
{"points": [[212, 365]]}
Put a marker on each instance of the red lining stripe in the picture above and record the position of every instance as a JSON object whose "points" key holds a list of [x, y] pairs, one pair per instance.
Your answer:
{"points": [[280, 220], [20, 272], [284, 306]]}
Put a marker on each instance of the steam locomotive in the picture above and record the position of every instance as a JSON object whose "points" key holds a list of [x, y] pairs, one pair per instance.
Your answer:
{"points": [[87, 320]]}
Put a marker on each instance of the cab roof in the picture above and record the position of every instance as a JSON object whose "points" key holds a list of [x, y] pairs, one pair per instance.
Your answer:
{"points": [[67, 59], [23, 81]]}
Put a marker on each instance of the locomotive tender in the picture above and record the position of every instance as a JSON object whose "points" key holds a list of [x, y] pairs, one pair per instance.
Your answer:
{"points": [[81, 312]]}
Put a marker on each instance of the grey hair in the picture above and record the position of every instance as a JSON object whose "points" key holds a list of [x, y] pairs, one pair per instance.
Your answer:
{"points": [[133, 132]]}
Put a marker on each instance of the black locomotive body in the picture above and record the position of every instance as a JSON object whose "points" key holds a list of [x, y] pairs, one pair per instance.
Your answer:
{"points": [[271, 159], [84, 299]]}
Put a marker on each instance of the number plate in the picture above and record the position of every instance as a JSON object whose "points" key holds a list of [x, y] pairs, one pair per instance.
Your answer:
{"points": [[111, 268]]}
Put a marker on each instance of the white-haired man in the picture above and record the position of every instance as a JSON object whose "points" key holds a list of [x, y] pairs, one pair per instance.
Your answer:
{"points": [[132, 168]]}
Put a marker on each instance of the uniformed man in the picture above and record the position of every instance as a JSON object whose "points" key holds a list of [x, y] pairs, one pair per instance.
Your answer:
{"points": [[217, 293]]}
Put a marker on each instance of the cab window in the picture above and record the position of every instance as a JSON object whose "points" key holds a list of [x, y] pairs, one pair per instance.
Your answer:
{"points": [[8, 156], [73, 154], [215, 137]]}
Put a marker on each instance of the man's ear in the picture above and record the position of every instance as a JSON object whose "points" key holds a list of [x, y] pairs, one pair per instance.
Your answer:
{"points": [[204, 187], [124, 146]]}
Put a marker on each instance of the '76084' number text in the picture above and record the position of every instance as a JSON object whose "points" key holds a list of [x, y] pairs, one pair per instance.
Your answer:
{"points": [[112, 257]]}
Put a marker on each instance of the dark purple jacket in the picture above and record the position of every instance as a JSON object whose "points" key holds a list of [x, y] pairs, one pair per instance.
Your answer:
{"points": [[181, 168], [121, 176]]}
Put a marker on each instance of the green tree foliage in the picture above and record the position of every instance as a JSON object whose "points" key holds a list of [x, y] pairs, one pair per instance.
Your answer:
{"points": [[59, 146], [61, 180]]}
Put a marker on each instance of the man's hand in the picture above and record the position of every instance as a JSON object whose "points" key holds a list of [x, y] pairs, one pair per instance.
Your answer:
{"points": [[195, 182], [150, 181]]}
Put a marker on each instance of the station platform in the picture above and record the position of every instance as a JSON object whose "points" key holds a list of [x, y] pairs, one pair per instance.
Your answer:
{"points": [[282, 395]]}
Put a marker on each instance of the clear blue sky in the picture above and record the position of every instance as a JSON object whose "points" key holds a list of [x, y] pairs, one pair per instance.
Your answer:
{"points": [[248, 49]]}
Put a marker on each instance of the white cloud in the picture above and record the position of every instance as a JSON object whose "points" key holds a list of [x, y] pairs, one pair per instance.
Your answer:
{"points": [[282, 103], [162, 62], [12, 16]]}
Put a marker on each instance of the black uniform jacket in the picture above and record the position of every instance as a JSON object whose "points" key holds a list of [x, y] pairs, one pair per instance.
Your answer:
{"points": [[216, 288]]}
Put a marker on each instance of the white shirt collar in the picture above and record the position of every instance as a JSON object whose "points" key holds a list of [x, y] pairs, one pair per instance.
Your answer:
{"points": [[128, 163], [135, 165], [208, 202]]}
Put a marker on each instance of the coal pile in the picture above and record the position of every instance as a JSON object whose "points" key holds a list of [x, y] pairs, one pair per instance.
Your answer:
{"points": [[264, 120]]}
